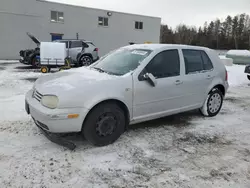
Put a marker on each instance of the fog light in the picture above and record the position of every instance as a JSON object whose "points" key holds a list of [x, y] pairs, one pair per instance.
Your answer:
{"points": [[72, 116]]}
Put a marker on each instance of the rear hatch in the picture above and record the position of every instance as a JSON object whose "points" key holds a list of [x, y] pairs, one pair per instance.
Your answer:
{"points": [[34, 39]]}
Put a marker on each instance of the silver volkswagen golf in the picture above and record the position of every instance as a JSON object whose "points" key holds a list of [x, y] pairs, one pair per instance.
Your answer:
{"points": [[129, 85]]}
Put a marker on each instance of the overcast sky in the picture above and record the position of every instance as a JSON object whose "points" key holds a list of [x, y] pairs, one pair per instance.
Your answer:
{"points": [[172, 12]]}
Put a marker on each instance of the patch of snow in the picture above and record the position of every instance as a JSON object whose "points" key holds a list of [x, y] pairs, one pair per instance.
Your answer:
{"points": [[12, 108], [204, 107], [185, 150], [226, 61], [239, 53], [222, 57], [236, 75], [9, 61]]}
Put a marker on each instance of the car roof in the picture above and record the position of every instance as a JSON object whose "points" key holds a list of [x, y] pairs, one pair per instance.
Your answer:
{"points": [[74, 40], [164, 46]]}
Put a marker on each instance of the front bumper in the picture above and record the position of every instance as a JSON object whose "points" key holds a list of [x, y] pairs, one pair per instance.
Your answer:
{"points": [[54, 120]]}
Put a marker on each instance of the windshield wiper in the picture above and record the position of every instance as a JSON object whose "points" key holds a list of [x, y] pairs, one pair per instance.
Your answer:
{"points": [[103, 71], [99, 69]]}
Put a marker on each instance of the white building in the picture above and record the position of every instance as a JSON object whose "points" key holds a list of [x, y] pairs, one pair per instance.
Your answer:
{"points": [[48, 20]]}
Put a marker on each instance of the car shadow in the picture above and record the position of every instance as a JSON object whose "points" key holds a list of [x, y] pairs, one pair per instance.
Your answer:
{"points": [[25, 67], [31, 69], [8, 63], [178, 120], [181, 120], [30, 79]]}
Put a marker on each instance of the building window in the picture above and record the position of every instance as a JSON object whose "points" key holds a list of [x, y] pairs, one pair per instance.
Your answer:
{"points": [[103, 21], [56, 36], [138, 25], [57, 17]]}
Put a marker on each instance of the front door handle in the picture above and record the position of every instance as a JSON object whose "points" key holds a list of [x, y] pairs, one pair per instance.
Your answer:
{"points": [[209, 76], [178, 82]]}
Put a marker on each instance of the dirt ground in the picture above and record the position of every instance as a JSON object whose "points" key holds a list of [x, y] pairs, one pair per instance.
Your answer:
{"points": [[185, 150]]}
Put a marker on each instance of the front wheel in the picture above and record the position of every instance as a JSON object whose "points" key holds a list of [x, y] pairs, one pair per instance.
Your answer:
{"points": [[104, 125], [248, 76], [213, 103]]}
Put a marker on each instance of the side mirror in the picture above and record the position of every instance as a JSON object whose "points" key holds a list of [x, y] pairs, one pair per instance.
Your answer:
{"points": [[150, 78]]}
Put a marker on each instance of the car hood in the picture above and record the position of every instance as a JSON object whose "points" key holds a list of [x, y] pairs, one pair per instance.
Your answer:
{"points": [[71, 80], [34, 39]]}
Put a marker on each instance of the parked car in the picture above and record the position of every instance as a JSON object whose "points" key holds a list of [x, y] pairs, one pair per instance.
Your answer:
{"points": [[28, 56], [247, 71], [83, 53], [132, 84]]}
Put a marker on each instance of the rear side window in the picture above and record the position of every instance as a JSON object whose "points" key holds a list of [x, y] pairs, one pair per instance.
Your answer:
{"points": [[196, 61], [85, 45], [165, 64], [76, 44]]}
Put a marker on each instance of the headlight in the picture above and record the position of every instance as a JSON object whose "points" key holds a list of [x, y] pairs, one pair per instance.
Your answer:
{"points": [[50, 101]]}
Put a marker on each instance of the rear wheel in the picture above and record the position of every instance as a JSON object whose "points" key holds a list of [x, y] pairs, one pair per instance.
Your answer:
{"points": [[45, 69], [86, 61], [104, 124], [213, 103], [248, 76]]}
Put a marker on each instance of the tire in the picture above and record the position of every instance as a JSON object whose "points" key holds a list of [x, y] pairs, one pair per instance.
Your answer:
{"points": [[45, 69], [248, 76], [213, 103], [34, 63], [104, 125], [85, 60]]}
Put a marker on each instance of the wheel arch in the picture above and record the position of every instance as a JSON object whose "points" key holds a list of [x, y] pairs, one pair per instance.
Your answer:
{"points": [[121, 104], [220, 87], [87, 54]]}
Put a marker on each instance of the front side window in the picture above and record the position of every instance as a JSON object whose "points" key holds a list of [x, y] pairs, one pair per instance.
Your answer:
{"points": [[121, 61], [57, 17], [103, 21], [165, 64], [196, 61]]}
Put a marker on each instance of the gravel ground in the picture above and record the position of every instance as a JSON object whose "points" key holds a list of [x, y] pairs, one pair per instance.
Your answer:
{"points": [[184, 150]]}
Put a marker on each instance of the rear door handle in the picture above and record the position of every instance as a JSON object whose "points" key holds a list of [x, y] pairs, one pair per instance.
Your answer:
{"points": [[178, 82]]}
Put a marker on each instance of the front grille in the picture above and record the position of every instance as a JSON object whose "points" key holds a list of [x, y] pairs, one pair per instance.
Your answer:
{"points": [[38, 96]]}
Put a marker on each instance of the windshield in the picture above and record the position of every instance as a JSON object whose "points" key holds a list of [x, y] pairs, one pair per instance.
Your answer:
{"points": [[122, 61]]}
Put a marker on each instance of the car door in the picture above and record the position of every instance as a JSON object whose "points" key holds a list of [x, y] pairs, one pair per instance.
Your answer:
{"points": [[75, 49], [197, 78], [167, 95]]}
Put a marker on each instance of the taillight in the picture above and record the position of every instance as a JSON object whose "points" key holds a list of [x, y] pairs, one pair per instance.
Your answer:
{"points": [[226, 76], [96, 49]]}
